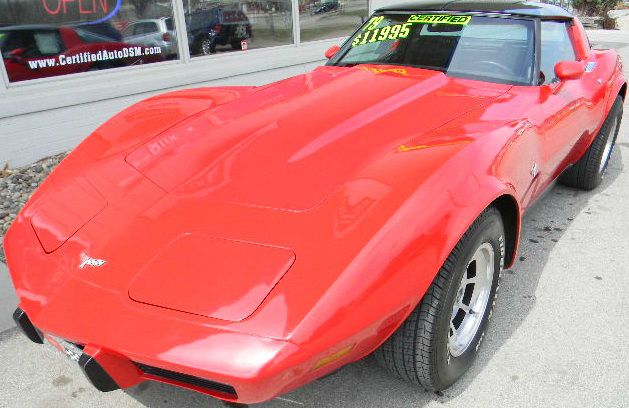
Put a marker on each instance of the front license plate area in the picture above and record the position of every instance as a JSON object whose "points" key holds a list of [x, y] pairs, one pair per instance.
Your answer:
{"points": [[70, 350]]}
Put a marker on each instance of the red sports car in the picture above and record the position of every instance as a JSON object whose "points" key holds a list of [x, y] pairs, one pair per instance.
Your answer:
{"points": [[243, 241]]}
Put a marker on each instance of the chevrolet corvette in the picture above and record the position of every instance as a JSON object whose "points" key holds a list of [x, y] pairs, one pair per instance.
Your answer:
{"points": [[244, 241]]}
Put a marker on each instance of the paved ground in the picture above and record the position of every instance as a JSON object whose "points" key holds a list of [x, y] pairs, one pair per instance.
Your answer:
{"points": [[559, 336]]}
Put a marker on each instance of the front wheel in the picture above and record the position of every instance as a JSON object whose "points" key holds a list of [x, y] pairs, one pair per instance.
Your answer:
{"points": [[438, 342]]}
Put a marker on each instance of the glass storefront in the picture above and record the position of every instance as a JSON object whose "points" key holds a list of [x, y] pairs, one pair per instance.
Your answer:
{"points": [[48, 38], [216, 27], [45, 38], [323, 19]]}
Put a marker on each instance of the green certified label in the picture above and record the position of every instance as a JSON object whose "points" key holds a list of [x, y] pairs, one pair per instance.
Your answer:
{"points": [[439, 19]]}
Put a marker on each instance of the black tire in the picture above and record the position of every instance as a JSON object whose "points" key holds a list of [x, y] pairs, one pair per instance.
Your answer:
{"points": [[587, 173], [206, 46], [419, 350]]}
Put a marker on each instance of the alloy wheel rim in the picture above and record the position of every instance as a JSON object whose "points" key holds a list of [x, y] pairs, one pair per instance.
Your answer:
{"points": [[206, 47], [471, 300], [609, 145]]}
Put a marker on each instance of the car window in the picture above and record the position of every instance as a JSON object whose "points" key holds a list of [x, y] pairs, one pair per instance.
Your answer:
{"points": [[128, 30], [466, 46], [556, 46], [48, 42], [145, 28], [10, 42], [89, 37], [202, 20], [170, 26]]}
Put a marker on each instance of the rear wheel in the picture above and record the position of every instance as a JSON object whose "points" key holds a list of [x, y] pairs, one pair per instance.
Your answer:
{"points": [[438, 342], [587, 173], [207, 46]]}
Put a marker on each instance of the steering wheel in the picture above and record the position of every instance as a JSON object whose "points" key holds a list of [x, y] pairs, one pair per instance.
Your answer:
{"points": [[493, 64]]}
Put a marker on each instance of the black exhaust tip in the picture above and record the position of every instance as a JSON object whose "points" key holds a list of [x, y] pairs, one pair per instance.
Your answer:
{"points": [[27, 327]]}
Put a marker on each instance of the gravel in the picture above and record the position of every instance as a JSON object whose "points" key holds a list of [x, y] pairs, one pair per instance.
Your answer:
{"points": [[17, 185]]}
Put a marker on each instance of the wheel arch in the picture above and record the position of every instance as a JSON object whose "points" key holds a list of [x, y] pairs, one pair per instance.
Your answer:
{"points": [[509, 210], [623, 91]]}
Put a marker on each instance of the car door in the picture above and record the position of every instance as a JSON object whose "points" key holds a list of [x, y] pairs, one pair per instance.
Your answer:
{"points": [[563, 108]]}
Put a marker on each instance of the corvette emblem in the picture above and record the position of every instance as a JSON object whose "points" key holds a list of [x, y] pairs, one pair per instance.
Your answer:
{"points": [[87, 261]]}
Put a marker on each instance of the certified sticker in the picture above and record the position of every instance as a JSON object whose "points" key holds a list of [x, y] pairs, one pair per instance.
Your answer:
{"points": [[439, 19]]}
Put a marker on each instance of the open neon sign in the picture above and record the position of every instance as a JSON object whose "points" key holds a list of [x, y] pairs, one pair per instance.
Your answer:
{"points": [[95, 8]]}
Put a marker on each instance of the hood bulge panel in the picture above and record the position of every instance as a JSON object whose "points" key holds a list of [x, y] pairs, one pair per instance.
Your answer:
{"points": [[213, 277]]}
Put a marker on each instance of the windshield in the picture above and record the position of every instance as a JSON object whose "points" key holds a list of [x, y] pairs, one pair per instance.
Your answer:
{"points": [[467, 46]]}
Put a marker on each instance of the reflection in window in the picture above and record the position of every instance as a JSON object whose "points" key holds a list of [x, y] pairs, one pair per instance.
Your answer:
{"points": [[321, 19], [232, 25], [556, 46], [46, 38]]}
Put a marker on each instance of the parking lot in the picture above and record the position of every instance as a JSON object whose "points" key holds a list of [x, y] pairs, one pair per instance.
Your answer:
{"points": [[558, 336]]}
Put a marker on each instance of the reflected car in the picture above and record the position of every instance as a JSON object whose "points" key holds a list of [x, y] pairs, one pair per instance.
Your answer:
{"points": [[243, 241], [217, 26], [325, 7], [158, 32], [41, 51]]}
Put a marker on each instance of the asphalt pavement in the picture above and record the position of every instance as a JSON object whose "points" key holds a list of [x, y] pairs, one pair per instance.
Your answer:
{"points": [[559, 336]]}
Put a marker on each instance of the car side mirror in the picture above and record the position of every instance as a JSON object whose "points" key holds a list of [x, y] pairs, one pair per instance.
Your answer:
{"points": [[332, 51], [566, 70]]}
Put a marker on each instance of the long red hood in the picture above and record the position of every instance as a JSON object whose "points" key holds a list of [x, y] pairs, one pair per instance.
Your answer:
{"points": [[182, 187], [289, 145]]}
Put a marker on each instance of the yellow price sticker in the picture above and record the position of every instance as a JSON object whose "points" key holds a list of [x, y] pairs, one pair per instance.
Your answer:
{"points": [[387, 33], [439, 19]]}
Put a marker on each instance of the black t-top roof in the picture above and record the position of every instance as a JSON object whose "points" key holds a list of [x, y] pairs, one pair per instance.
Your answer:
{"points": [[519, 8]]}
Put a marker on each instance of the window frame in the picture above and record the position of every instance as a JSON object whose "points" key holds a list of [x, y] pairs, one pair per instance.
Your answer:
{"points": [[567, 24]]}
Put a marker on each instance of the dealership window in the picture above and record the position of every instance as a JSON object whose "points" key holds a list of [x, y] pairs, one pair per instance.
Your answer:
{"points": [[218, 27], [323, 19], [53, 38], [47, 38]]}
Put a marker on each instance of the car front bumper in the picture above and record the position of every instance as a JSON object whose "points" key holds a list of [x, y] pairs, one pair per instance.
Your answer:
{"points": [[109, 370]]}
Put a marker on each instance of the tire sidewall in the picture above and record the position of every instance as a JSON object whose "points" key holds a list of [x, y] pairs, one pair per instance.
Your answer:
{"points": [[449, 368], [615, 117]]}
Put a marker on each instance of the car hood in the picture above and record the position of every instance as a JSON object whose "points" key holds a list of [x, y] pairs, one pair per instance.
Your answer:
{"points": [[208, 212], [290, 144]]}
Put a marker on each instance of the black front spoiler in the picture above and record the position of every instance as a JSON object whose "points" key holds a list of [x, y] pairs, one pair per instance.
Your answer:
{"points": [[27, 327], [94, 372]]}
